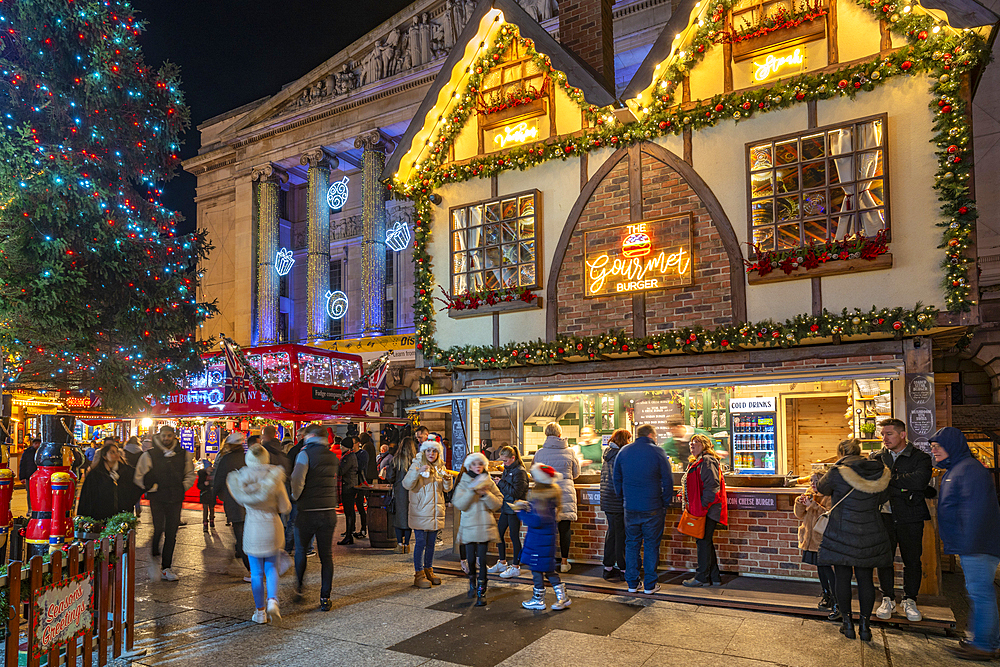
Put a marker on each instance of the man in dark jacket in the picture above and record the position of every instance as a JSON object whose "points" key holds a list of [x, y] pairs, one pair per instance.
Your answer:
{"points": [[969, 523], [644, 480], [904, 515], [614, 510], [314, 489], [290, 525], [26, 467], [269, 441], [348, 484], [166, 472]]}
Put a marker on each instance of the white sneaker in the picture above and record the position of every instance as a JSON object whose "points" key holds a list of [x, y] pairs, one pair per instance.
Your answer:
{"points": [[511, 572], [886, 608], [259, 617], [500, 567], [248, 579], [273, 612], [911, 611], [168, 575], [465, 566], [564, 567], [655, 588]]}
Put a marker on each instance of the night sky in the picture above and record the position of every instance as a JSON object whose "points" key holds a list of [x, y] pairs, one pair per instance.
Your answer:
{"points": [[232, 52]]}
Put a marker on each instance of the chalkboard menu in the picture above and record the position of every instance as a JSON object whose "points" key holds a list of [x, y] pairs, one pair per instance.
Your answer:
{"points": [[657, 413]]}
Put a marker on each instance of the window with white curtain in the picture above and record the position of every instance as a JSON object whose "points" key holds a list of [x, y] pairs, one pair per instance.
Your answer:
{"points": [[825, 184]]}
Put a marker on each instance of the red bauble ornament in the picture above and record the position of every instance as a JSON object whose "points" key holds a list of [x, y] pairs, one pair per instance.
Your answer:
{"points": [[922, 34], [420, 346], [953, 243], [579, 346], [842, 84], [952, 149], [857, 84], [624, 348], [775, 334], [663, 124], [514, 353], [701, 48], [746, 106], [760, 105], [560, 350], [800, 96], [897, 325], [724, 343], [905, 65], [814, 328], [963, 210], [946, 108], [422, 292], [719, 107], [649, 346]]}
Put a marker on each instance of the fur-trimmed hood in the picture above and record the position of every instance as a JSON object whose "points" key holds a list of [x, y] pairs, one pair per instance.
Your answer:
{"points": [[867, 476], [254, 485]]}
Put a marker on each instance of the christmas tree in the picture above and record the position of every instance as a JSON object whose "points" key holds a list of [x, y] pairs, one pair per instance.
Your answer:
{"points": [[97, 291]]}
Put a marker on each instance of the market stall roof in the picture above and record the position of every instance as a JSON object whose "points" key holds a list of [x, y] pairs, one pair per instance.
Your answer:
{"points": [[887, 371], [960, 14], [445, 405]]}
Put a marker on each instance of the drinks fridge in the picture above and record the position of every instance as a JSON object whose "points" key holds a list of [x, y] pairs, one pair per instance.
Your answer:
{"points": [[753, 435]]}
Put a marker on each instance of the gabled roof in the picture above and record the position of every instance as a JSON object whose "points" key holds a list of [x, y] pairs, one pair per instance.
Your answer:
{"points": [[961, 14], [578, 73]]}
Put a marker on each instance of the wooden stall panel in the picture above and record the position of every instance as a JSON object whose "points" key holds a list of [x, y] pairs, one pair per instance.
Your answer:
{"points": [[819, 426]]}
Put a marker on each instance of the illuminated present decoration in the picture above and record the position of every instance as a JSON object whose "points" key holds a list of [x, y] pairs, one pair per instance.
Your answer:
{"points": [[336, 304], [775, 65], [521, 133], [651, 255], [397, 237], [283, 262], [336, 196]]}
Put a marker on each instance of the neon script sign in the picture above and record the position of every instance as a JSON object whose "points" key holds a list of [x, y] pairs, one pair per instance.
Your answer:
{"points": [[638, 257], [521, 133], [772, 64]]}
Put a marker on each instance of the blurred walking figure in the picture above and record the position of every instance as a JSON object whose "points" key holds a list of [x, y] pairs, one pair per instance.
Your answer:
{"points": [[166, 472], [539, 513], [513, 485], [206, 492], [969, 525], [232, 457], [394, 475], [477, 497], [855, 540], [555, 452], [109, 488], [260, 488], [427, 480], [314, 488], [350, 469]]}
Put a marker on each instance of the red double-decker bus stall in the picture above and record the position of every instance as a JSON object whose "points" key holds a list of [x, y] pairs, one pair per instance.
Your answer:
{"points": [[305, 381]]}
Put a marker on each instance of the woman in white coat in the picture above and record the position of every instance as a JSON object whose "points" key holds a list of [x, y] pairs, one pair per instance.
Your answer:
{"points": [[555, 452], [260, 488], [427, 480]]}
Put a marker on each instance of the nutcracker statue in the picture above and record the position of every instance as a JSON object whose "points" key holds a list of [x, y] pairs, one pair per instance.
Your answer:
{"points": [[52, 487]]}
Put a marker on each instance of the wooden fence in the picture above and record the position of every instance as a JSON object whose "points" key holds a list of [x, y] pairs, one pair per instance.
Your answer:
{"points": [[113, 563]]}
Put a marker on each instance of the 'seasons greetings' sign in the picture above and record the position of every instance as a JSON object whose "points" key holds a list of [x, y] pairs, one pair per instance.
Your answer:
{"points": [[64, 610], [648, 255]]}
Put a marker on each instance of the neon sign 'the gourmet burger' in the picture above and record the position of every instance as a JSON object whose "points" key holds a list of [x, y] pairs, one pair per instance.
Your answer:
{"points": [[638, 266]]}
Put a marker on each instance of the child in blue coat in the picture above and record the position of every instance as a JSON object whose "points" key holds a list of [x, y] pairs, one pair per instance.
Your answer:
{"points": [[538, 513]]}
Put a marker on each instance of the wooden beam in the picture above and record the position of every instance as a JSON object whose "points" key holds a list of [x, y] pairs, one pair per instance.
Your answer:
{"points": [[817, 297], [832, 49]]}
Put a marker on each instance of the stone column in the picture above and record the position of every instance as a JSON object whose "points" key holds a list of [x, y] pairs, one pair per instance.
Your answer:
{"points": [[373, 193], [320, 164], [269, 178]]}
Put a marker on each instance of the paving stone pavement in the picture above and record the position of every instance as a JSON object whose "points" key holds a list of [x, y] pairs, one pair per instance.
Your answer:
{"points": [[378, 618]]}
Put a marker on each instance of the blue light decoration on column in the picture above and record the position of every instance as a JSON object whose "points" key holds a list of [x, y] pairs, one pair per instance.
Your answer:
{"points": [[397, 237], [283, 262], [336, 196], [336, 304]]}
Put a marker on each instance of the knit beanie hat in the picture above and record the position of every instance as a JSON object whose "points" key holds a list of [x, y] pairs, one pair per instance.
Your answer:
{"points": [[543, 474], [473, 457], [257, 456]]}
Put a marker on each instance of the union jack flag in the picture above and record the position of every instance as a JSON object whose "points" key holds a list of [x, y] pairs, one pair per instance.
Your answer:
{"points": [[375, 390], [237, 382]]}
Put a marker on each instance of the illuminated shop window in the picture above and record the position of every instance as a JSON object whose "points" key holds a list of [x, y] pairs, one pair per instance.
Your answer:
{"points": [[826, 184], [275, 367], [493, 244]]}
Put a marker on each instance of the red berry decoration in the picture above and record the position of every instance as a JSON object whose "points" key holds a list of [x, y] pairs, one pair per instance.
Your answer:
{"points": [[857, 84], [905, 65], [814, 328], [719, 107], [560, 350], [649, 346], [760, 105], [624, 348], [963, 210]]}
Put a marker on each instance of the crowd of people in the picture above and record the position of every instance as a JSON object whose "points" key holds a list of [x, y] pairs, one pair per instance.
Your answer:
{"points": [[281, 498]]}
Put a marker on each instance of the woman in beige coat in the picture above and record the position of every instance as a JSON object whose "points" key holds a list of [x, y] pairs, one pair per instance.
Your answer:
{"points": [[260, 488], [478, 497], [426, 480], [808, 508]]}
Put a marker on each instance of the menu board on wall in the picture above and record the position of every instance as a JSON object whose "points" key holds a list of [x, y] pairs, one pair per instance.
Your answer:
{"points": [[657, 413], [921, 420]]}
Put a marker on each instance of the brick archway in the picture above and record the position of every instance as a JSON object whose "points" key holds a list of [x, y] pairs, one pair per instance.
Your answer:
{"points": [[636, 183]]}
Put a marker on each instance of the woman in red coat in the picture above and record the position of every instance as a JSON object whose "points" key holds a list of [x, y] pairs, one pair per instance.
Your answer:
{"points": [[705, 495]]}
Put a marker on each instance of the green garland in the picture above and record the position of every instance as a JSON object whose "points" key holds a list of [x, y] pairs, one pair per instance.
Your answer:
{"points": [[945, 58]]}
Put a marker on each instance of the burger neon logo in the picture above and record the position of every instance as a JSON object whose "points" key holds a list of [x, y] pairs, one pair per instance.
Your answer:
{"points": [[638, 266]]}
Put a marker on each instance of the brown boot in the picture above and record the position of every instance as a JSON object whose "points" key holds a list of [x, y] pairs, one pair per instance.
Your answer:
{"points": [[406, 548], [431, 577], [420, 579]]}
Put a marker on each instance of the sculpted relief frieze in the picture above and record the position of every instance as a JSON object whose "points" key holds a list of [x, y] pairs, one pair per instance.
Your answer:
{"points": [[418, 41]]}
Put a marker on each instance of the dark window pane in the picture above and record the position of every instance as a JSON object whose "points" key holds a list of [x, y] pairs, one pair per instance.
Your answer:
{"points": [[762, 184], [760, 157], [788, 208], [509, 209], [788, 179], [493, 212], [814, 203], [814, 174], [788, 237], [813, 147], [764, 237], [786, 152], [815, 231], [762, 212]]}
